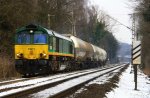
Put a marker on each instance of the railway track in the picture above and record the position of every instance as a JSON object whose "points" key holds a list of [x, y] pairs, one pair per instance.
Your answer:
{"points": [[8, 82], [15, 81], [63, 89], [51, 82]]}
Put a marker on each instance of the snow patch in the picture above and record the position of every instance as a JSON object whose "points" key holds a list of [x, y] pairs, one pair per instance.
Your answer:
{"points": [[66, 85], [101, 80], [126, 86]]}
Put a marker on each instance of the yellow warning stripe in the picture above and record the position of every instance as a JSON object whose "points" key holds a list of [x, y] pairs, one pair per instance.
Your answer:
{"points": [[60, 54]]}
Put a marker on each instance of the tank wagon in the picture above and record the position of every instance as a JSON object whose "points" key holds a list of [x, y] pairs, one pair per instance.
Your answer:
{"points": [[40, 51], [86, 54], [100, 55]]}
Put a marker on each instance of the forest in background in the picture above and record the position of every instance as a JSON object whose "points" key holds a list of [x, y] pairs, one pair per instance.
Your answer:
{"points": [[142, 17], [76, 17]]}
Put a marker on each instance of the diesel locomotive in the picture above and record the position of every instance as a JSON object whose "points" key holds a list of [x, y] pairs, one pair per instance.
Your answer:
{"points": [[40, 51]]}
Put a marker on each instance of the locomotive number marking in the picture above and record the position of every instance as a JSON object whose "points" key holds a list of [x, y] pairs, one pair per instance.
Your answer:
{"points": [[31, 49]]}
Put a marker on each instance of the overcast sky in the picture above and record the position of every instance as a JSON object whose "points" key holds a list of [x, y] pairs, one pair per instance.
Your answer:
{"points": [[120, 10]]}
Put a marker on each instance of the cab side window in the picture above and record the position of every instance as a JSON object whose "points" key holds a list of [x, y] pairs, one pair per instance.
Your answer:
{"points": [[50, 42], [71, 49], [57, 44], [61, 45], [54, 43]]}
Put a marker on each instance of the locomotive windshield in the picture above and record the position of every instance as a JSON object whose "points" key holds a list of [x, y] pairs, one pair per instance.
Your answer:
{"points": [[23, 38], [37, 37]]}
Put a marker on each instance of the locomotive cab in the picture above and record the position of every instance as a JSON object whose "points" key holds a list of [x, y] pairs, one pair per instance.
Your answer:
{"points": [[31, 45], [31, 50]]}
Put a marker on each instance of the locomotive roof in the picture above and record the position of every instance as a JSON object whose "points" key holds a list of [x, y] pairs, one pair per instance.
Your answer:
{"points": [[31, 27], [61, 36], [37, 27], [51, 32]]}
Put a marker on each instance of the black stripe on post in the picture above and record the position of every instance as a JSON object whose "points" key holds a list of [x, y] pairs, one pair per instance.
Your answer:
{"points": [[136, 57], [136, 52], [136, 47]]}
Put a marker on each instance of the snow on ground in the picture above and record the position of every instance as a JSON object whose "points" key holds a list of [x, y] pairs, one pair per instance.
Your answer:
{"points": [[126, 86], [12, 80], [104, 79], [41, 81], [101, 80], [26, 85], [44, 79], [66, 85]]}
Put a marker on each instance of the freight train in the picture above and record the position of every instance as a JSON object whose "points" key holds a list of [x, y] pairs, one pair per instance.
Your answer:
{"points": [[41, 51]]}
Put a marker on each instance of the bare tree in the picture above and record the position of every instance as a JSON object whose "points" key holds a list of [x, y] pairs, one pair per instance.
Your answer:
{"points": [[142, 15]]}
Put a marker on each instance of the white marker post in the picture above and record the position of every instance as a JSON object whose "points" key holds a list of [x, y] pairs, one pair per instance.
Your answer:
{"points": [[136, 58]]}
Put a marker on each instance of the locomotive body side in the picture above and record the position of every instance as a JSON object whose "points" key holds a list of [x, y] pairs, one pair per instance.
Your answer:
{"points": [[38, 51]]}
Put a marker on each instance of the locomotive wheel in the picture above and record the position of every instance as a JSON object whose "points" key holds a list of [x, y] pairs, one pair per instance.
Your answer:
{"points": [[54, 65], [49, 68], [68, 68]]}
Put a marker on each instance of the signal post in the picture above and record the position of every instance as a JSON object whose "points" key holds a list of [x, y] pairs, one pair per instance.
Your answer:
{"points": [[136, 50], [136, 58]]}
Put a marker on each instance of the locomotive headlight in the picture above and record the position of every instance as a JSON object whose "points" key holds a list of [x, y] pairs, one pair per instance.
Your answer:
{"points": [[42, 55], [31, 31], [19, 55]]}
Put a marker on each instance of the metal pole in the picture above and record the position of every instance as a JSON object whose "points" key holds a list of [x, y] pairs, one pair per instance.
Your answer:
{"points": [[135, 76], [49, 21], [73, 24], [134, 38]]}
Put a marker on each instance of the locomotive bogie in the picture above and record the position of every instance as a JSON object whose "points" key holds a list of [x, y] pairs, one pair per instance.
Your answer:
{"points": [[31, 67]]}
